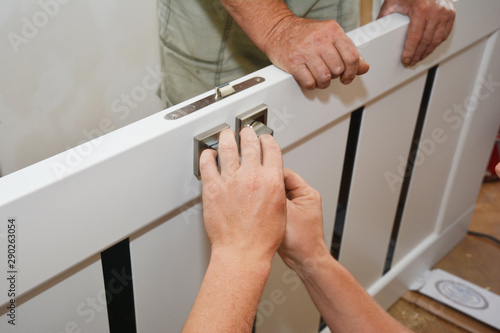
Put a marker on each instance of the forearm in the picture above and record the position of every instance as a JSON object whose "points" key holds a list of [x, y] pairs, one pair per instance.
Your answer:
{"points": [[229, 295], [343, 303], [257, 17]]}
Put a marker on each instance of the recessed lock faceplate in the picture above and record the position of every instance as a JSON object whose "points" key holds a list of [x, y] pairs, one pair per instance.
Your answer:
{"points": [[206, 140], [221, 92]]}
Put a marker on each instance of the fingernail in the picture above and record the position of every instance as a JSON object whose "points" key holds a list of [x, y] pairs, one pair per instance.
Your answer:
{"points": [[406, 61], [347, 82]]}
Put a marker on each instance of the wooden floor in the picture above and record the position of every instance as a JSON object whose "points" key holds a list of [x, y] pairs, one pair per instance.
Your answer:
{"points": [[474, 259]]}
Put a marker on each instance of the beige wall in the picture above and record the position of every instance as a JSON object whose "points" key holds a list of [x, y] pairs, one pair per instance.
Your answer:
{"points": [[71, 70]]}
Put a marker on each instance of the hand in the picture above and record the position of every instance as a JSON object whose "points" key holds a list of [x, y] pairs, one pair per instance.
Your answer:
{"points": [[497, 169], [314, 52], [244, 206], [304, 238], [431, 22], [342, 301], [244, 210]]}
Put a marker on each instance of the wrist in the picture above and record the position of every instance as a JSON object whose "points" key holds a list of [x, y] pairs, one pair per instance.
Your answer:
{"points": [[274, 32], [242, 261], [309, 261]]}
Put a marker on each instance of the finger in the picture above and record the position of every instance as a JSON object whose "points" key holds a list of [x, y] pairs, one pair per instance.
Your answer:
{"points": [[271, 152], [427, 40], [439, 37], [250, 147], [295, 185], [208, 165], [385, 10], [228, 152], [333, 61], [363, 66], [304, 77], [450, 18], [414, 35], [449, 26], [320, 72], [350, 57]]}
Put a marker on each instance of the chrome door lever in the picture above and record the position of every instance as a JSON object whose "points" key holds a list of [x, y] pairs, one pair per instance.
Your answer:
{"points": [[206, 140], [255, 118]]}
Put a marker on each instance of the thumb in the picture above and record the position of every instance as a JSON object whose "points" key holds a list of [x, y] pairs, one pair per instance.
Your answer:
{"points": [[295, 185], [384, 10], [363, 66], [391, 6]]}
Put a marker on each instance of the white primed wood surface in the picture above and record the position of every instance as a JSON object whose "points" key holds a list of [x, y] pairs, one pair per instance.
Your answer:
{"points": [[168, 263], [136, 181], [480, 129], [439, 139], [397, 281], [386, 133], [77, 303]]}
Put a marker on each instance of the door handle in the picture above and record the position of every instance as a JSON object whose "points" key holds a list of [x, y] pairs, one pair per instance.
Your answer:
{"points": [[206, 140], [255, 118]]}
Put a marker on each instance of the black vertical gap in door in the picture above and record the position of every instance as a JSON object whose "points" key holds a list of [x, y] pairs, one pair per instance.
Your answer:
{"points": [[117, 271], [412, 155], [345, 183]]}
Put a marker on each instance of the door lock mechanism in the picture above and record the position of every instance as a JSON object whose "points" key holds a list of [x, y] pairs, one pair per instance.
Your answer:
{"points": [[255, 118], [206, 140]]}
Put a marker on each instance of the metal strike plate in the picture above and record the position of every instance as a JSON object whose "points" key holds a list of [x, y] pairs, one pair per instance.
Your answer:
{"points": [[255, 118], [205, 140]]}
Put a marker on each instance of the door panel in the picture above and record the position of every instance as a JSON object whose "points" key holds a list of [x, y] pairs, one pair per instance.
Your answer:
{"points": [[75, 302], [481, 125], [386, 132], [438, 142], [169, 262]]}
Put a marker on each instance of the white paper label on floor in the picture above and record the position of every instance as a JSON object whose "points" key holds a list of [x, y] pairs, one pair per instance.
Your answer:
{"points": [[461, 295]]}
